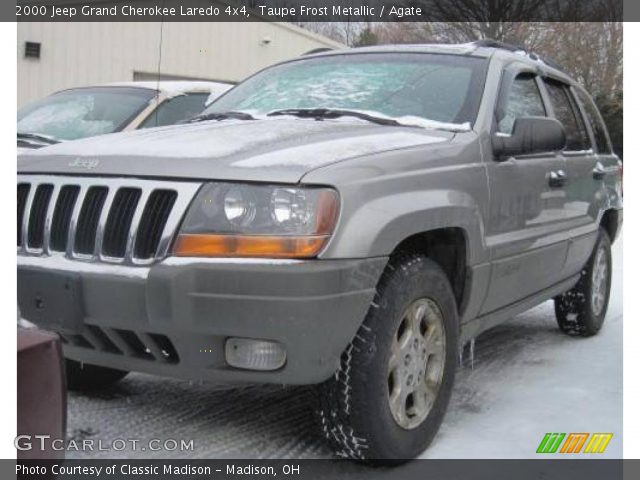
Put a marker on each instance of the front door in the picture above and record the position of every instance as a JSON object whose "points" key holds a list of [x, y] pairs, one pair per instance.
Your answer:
{"points": [[526, 230]]}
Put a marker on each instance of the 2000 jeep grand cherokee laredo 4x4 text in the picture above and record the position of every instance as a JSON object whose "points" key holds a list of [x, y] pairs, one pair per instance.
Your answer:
{"points": [[348, 219]]}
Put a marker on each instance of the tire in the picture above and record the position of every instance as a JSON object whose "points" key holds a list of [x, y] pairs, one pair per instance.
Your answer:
{"points": [[82, 376], [354, 406], [581, 310]]}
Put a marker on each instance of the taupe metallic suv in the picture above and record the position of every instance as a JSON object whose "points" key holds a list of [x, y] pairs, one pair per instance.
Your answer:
{"points": [[348, 219]]}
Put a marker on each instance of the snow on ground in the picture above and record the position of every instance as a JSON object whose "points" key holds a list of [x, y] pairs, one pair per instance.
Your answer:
{"points": [[527, 379]]}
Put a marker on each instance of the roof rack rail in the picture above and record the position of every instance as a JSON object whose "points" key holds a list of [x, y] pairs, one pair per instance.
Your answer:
{"points": [[553, 64], [490, 43]]}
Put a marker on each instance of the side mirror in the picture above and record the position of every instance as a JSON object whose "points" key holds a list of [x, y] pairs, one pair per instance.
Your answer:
{"points": [[530, 135]]}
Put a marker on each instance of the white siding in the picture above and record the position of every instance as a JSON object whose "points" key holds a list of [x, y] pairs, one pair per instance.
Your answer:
{"points": [[78, 54]]}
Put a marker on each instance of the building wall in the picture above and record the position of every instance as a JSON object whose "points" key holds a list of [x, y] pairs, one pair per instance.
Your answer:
{"points": [[79, 54]]}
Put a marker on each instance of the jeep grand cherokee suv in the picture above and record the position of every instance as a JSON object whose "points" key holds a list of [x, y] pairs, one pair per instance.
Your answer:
{"points": [[348, 219]]}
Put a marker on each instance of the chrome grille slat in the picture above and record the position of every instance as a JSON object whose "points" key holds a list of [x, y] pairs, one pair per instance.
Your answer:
{"points": [[179, 207], [102, 221], [26, 216], [49, 218], [71, 237], [38, 216], [101, 234], [62, 217], [135, 223], [118, 224], [87, 226], [157, 214]]}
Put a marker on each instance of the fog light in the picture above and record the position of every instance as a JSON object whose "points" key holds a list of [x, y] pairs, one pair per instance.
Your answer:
{"points": [[254, 354]]}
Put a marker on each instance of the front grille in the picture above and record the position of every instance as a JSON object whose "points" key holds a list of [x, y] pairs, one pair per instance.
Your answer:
{"points": [[111, 220]]}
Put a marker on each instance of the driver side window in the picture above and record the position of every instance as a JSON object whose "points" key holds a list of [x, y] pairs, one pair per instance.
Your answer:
{"points": [[524, 101]]}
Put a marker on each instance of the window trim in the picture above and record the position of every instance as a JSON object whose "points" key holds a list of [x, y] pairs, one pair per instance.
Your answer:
{"points": [[509, 75], [577, 114], [583, 108]]}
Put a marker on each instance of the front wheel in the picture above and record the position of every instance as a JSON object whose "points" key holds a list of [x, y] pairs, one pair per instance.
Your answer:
{"points": [[581, 310], [390, 394]]}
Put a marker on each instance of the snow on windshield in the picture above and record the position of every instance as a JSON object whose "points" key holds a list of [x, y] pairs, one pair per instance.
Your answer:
{"points": [[81, 113], [439, 88], [68, 120]]}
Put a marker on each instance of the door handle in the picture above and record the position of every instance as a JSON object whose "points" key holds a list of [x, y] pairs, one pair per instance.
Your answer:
{"points": [[599, 172], [557, 178]]}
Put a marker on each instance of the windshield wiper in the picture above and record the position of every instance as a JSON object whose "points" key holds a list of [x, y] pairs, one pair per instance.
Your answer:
{"points": [[329, 113], [236, 115], [37, 137]]}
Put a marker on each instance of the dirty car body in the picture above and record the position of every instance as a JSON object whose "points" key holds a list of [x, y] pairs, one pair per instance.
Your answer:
{"points": [[506, 231]]}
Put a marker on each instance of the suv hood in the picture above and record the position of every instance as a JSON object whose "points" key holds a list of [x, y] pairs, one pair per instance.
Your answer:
{"points": [[270, 150]]}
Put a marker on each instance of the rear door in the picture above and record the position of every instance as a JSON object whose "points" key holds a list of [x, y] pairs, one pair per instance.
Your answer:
{"points": [[590, 162], [526, 230]]}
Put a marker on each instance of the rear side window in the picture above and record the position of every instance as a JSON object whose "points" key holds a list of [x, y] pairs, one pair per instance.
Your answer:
{"points": [[176, 109], [524, 101], [595, 120], [567, 113]]}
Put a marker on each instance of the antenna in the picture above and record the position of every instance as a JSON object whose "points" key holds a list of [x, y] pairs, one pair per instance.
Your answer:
{"points": [[160, 52]]}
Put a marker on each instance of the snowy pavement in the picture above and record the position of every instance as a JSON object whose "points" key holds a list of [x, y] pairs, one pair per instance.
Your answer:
{"points": [[527, 379]]}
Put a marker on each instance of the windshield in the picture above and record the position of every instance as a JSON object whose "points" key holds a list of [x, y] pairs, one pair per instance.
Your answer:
{"points": [[443, 88], [83, 112]]}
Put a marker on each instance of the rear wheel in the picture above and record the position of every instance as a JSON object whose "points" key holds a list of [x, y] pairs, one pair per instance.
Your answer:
{"points": [[390, 394], [82, 376], [582, 309]]}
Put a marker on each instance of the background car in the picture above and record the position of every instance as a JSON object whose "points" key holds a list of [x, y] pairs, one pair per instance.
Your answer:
{"points": [[95, 110]]}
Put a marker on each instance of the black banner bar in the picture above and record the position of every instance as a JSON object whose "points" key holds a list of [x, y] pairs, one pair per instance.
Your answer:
{"points": [[548, 469], [321, 10]]}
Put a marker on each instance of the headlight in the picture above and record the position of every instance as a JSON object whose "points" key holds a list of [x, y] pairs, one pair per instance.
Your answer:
{"points": [[240, 220], [239, 206]]}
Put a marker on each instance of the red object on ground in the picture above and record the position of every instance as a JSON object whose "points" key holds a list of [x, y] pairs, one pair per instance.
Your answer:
{"points": [[42, 398]]}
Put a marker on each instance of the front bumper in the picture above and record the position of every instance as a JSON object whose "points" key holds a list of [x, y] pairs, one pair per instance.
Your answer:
{"points": [[173, 318]]}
